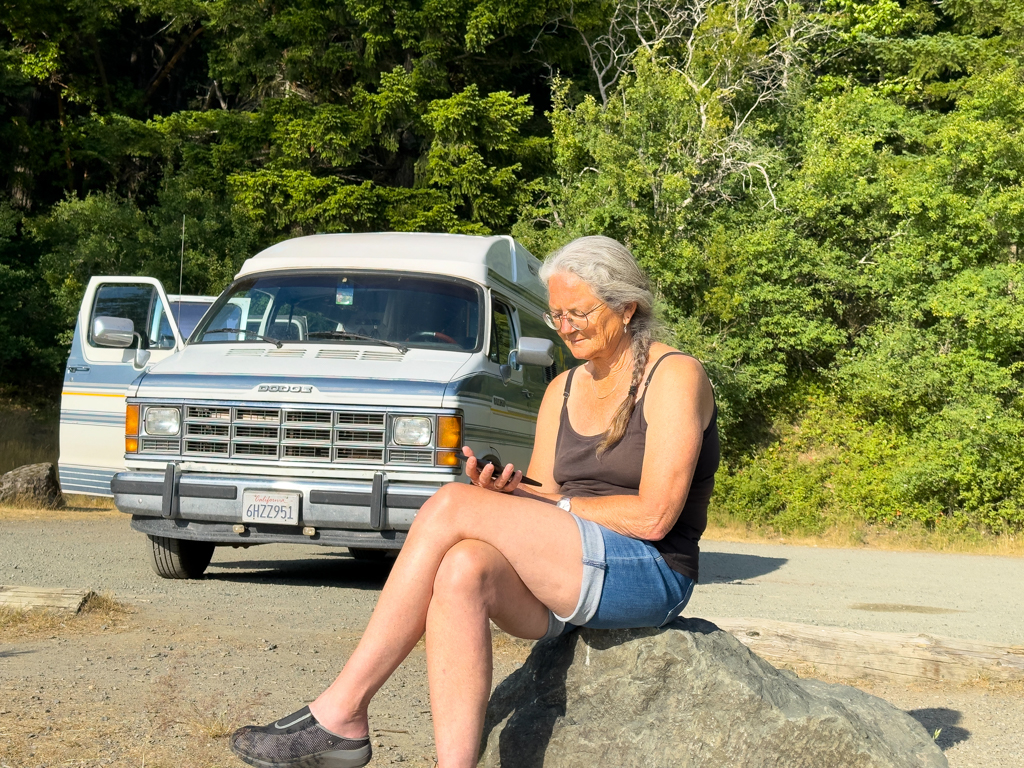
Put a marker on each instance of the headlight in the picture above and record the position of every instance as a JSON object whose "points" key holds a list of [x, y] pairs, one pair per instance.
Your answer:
{"points": [[411, 430], [163, 421]]}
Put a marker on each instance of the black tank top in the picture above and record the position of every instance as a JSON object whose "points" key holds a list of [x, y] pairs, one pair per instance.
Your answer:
{"points": [[579, 472]]}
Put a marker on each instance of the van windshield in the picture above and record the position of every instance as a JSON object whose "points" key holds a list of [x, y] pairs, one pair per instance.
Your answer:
{"points": [[410, 310]]}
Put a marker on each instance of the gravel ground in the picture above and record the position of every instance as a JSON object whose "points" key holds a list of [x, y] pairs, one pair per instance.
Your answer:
{"points": [[270, 626]]}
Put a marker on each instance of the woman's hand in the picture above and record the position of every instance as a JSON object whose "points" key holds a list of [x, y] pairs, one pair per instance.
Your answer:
{"points": [[482, 475]]}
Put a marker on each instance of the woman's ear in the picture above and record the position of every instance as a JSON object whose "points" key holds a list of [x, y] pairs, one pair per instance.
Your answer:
{"points": [[630, 311]]}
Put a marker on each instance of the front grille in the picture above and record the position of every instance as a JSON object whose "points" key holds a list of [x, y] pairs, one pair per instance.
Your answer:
{"points": [[207, 430], [359, 454], [258, 414], [308, 452], [300, 434], [308, 435], [205, 413], [154, 445], [307, 417], [206, 447], [255, 433], [403, 456], [263, 450], [373, 436], [359, 419]]}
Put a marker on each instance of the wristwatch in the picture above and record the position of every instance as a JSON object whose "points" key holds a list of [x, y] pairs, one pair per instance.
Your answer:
{"points": [[564, 503]]}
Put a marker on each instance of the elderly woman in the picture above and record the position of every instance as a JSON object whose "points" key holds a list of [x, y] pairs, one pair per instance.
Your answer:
{"points": [[626, 451]]}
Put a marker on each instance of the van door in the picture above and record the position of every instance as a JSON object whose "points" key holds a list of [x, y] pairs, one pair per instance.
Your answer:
{"points": [[92, 401], [513, 414]]}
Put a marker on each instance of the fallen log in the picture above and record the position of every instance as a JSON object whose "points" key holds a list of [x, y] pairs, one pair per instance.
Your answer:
{"points": [[854, 653]]}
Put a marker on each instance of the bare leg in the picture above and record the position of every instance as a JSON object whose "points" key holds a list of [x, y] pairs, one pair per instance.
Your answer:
{"points": [[539, 541], [474, 584]]}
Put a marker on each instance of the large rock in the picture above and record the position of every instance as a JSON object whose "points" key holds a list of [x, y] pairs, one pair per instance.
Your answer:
{"points": [[686, 695], [34, 484]]}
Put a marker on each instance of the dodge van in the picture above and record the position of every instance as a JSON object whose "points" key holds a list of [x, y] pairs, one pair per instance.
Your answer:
{"points": [[323, 397]]}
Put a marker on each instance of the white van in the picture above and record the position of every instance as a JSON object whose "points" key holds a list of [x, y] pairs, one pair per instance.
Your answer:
{"points": [[322, 398]]}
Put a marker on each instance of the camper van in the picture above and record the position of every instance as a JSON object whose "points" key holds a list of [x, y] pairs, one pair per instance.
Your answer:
{"points": [[322, 398]]}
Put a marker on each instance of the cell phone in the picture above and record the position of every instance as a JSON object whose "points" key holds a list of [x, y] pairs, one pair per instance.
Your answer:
{"points": [[498, 468]]}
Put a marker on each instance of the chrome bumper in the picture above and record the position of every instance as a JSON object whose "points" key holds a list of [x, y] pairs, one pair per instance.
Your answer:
{"points": [[376, 508], [223, 533]]}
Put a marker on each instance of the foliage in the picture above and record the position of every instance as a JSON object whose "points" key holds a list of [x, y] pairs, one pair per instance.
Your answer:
{"points": [[845, 262], [829, 196]]}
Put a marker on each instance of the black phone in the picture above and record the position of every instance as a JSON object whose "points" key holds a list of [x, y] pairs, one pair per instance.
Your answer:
{"points": [[498, 468]]}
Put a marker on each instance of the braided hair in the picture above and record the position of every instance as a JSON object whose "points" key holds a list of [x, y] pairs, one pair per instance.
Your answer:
{"points": [[611, 273]]}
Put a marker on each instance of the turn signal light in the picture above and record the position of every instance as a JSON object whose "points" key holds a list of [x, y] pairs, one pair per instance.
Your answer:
{"points": [[449, 432], [131, 445], [447, 459], [131, 420]]}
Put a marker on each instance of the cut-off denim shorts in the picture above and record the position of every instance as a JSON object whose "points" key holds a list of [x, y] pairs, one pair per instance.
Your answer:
{"points": [[626, 584]]}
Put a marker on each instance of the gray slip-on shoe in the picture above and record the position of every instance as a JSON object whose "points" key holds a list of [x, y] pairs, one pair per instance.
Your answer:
{"points": [[298, 741]]}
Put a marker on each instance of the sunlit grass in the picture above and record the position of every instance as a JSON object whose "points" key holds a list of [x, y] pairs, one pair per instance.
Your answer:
{"points": [[101, 612], [908, 537], [78, 508]]}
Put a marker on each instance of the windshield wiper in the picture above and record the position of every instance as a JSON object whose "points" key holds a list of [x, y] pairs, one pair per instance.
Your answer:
{"points": [[356, 337], [276, 342]]}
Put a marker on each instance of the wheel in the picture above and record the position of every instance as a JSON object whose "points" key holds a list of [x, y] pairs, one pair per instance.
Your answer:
{"points": [[178, 558], [370, 555]]}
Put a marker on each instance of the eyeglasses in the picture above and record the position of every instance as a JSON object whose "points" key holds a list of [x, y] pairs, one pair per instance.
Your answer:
{"points": [[576, 319]]}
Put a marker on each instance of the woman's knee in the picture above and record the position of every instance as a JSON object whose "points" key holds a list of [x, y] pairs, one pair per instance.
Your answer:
{"points": [[466, 571], [443, 507]]}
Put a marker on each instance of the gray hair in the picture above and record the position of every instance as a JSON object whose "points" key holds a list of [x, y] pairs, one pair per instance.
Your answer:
{"points": [[611, 273]]}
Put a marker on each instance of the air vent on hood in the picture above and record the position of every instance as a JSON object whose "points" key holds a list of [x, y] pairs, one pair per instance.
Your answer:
{"points": [[378, 355], [258, 352], [286, 352], [383, 355]]}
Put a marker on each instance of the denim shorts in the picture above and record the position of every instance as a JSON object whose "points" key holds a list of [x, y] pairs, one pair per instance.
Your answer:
{"points": [[626, 584]]}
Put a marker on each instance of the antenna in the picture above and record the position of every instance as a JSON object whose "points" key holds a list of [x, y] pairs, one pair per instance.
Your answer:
{"points": [[181, 270]]}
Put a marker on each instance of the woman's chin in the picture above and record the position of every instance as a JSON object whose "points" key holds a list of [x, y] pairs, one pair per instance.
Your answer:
{"points": [[581, 350]]}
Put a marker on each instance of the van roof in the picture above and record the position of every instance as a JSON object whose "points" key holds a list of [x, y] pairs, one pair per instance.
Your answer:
{"points": [[481, 259]]}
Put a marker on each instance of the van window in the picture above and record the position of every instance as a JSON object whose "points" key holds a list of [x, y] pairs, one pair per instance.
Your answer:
{"points": [[137, 303], [503, 338], [336, 307], [187, 315]]}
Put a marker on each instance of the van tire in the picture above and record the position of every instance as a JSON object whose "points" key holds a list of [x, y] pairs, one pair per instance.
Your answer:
{"points": [[178, 558], [369, 555]]}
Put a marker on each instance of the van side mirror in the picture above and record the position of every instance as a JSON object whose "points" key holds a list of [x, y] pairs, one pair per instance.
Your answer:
{"points": [[113, 331], [532, 350]]}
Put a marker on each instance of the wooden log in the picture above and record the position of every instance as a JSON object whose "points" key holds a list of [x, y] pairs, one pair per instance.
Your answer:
{"points": [[49, 598], [853, 653]]}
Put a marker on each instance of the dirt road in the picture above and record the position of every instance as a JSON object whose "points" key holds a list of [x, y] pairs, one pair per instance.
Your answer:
{"points": [[270, 626]]}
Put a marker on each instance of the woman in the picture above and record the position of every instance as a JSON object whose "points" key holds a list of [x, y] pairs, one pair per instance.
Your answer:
{"points": [[626, 450]]}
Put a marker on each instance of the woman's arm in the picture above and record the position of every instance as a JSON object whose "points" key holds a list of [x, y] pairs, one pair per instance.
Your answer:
{"points": [[542, 461], [678, 407]]}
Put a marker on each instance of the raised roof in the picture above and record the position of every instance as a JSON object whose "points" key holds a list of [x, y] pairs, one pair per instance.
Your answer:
{"points": [[466, 256]]}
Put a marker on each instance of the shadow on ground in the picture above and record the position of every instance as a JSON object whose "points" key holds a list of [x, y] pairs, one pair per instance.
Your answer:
{"points": [[9, 654], [944, 721], [330, 571], [730, 568]]}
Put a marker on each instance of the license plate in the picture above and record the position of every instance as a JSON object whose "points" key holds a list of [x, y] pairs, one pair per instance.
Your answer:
{"points": [[270, 507]]}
